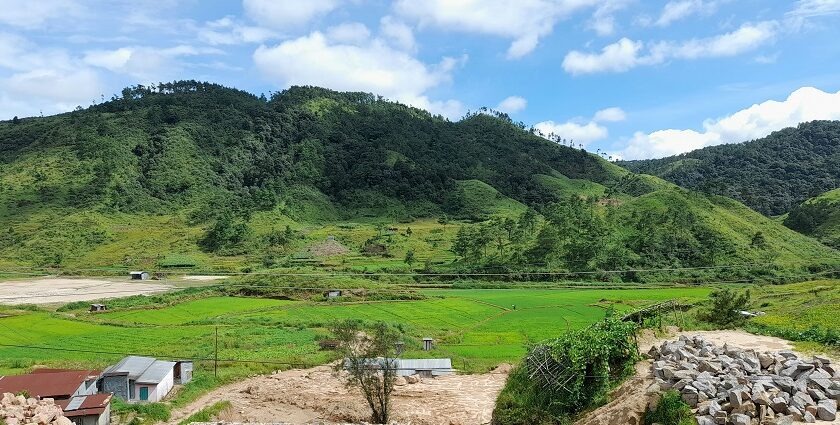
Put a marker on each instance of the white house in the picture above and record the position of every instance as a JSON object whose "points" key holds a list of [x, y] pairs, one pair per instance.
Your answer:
{"points": [[139, 379]]}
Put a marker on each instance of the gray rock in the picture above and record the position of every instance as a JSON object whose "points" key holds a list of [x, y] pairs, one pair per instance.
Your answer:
{"points": [[785, 383], [801, 400], [735, 398], [816, 394], [705, 420], [827, 410], [820, 378], [740, 419], [714, 407], [782, 420], [766, 360], [808, 418], [779, 405]]}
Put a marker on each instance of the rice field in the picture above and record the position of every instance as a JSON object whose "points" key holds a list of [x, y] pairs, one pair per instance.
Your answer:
{"points": [[477, 328]]}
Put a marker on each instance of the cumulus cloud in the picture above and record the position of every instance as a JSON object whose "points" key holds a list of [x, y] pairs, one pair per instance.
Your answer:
{"points": [[603, 20], [524, 22], [613, 114], [372, 66], [145, 63], [759, 120], [580, 130], [284, 14], [37, 79], [350, 33], [397, 33], [512, 104], [627, 54]]}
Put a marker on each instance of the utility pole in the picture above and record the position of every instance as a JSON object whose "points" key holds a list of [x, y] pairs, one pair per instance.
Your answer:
{"points": [[216, 356]]}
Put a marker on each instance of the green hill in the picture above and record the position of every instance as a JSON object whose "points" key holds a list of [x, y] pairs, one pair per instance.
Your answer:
{"points": [[818, 217], [771, 175], [199, 176]]}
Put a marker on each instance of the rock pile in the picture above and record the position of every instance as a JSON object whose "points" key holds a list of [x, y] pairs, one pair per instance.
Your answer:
{"points": [[729, 385], [19, 410]]}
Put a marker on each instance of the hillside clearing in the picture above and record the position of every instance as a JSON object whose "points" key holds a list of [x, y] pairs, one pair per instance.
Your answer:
{"points": [[65, 290]]}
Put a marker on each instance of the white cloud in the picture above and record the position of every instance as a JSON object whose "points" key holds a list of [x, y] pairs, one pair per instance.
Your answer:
{"points": [[285, 14], [579, 130], [524, 21], [812, 8], [350, 33], [759, 120], [613, 114], [372, 66], [512, 104], [626, 54], [676, 10], [146, 63], [603, 21], [617, 57], [34, 14], [228, 31], [397, 33]]}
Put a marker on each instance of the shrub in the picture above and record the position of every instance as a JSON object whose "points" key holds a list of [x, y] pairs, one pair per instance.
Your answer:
{"points": [[207, 414], [671, 410], [725, 308], [594, 359]]}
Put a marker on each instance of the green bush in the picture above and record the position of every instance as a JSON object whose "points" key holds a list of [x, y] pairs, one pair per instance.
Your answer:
{"points": [[207, 414], [595, 358], [726, 305], [671, 410]]}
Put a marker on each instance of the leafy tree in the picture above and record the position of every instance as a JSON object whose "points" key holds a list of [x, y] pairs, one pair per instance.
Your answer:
{"points": [[226, 233], [409, 258], [726, 306], [370, 363]]}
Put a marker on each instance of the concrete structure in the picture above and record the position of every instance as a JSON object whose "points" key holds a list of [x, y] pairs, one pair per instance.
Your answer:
{"points": [[139, 275], [140, 379], [98, 307], [333, 293], [427, 344], [88, 409], [183, 371], [426, 368], [58, 384]]}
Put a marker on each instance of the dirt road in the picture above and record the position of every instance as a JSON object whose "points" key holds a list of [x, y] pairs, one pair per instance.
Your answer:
{"points": [[301, 396], [65, 290]]}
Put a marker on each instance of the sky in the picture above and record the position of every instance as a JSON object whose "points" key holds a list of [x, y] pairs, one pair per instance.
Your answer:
{"points": [[632, 78]]}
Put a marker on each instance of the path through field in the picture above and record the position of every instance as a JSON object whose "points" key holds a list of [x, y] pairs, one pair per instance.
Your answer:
{"points": [[66, 290], [301, 396]]}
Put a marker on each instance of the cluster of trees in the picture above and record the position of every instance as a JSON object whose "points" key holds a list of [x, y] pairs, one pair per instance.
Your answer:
{"points": [[579, 234], [771, 175]]}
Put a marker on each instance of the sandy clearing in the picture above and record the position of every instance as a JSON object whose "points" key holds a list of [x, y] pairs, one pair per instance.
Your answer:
{"points": [[301, 396], [204, 278], [64, 290]]}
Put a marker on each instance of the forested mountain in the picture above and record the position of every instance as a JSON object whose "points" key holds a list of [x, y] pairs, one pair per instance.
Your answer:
{"points": [[818, 217], [771, 175], [191, 174]]}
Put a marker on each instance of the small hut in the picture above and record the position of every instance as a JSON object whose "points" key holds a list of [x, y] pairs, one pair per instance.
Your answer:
{"points": [[139, 275], [427, 344], [98, 307]]}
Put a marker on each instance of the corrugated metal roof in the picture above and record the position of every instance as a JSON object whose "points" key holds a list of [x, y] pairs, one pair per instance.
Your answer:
{"points": [[90, 405], [133, 366], [156, 372], [59, 384], [75, 403]]}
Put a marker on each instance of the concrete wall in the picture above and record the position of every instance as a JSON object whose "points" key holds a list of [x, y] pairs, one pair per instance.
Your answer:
{"points": [[117, 385], [159, 391]]}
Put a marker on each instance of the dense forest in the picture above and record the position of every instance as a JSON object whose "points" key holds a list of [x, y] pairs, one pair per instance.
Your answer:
{"points": [[191, 173], [771, 175]]}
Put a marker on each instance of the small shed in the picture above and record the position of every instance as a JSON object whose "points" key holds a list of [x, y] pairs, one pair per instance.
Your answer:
{"points": [[183, 371], [88, 410], [333, 293], [428, 343], [137, 378], [98, 307], [426, 368], [139, 275]]}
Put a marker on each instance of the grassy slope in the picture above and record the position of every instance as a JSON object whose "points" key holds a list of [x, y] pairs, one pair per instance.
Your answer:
{"points": [[826, 227]]}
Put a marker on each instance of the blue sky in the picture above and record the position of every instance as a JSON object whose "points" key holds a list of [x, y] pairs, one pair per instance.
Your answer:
{"points": [[633, 78]]}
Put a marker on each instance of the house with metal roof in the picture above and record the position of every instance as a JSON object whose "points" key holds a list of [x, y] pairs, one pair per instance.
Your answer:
{"points": [[88, 409], [58, 384], [137, 378], [424, 367]]}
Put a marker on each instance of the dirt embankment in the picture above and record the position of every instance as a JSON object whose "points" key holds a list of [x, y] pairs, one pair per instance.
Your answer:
{"points": [[302, 396]]}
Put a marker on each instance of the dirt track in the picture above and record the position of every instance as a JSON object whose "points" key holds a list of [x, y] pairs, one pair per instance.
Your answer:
{"points": [[302, 396], [65, 290]]}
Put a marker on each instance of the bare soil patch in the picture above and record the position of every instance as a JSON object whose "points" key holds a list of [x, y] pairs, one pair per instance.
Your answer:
{"points": [[66, 290], [328, 248], [203, 278], [301, 396]]}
